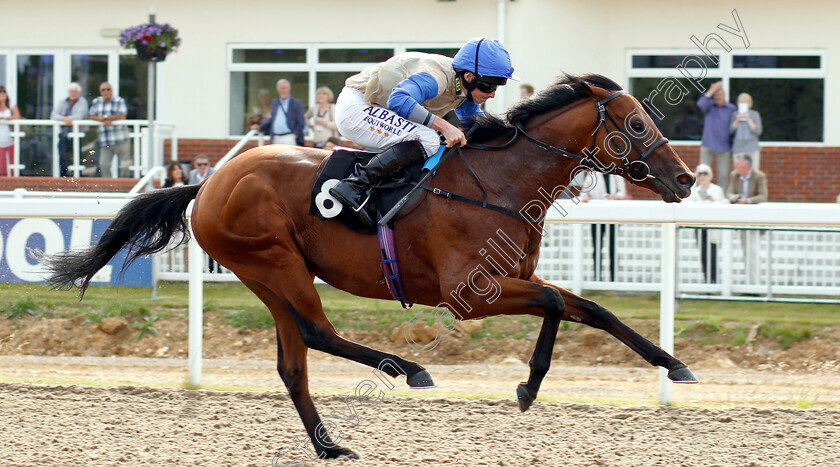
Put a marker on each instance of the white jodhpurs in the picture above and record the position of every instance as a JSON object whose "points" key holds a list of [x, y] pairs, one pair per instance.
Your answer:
{"points": [[376, 128]]}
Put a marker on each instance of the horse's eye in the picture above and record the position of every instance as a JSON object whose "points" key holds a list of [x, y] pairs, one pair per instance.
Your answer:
{"points": [[637, 127]]}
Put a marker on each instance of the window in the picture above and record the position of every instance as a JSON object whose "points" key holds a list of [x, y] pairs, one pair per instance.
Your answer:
{"points": [[788, 89], [269, 56], [354, 55], [251, 93], [134, 86], [254, 70], [446, 51], [35, 100]]}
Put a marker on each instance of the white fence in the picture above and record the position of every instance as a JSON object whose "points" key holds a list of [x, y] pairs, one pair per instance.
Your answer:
{"points": [[807, 260], [138, 130], [791, 259]]}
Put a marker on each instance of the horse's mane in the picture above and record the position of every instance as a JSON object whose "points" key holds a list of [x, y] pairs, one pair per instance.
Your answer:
{"points": [[567, 90]]}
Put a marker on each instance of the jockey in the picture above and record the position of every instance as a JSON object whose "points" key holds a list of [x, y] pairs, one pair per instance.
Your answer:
{"points": [[397, 106]]}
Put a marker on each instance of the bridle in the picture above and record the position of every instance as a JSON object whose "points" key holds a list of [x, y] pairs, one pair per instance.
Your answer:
{"points": [[637, 170]]}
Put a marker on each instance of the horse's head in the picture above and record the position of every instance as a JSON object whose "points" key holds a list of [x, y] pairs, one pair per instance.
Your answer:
{"points": [[626, 141]]}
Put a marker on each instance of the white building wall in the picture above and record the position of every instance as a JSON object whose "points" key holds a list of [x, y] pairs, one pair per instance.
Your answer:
{"points": [[545, 37]]}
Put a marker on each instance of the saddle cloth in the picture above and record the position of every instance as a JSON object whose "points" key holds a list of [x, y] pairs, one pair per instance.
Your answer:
{"points": [[341, 164]]}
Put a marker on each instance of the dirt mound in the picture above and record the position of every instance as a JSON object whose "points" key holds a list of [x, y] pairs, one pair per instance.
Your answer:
{"points": [[575, 345]]}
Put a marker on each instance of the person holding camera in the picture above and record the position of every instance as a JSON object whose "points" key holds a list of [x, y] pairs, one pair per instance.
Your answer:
{"points": [[746, 128]]}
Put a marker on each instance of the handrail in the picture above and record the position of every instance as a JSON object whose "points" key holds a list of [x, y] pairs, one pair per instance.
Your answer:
{"points": [[137, 133], [155, 171], [235, 149]]}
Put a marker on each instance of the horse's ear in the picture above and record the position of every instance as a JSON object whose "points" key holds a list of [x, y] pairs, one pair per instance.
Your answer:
{"points": [[586, 88]]}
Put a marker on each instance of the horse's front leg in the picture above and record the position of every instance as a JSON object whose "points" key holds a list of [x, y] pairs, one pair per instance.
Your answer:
{"points": [[490, 296], [585, 311]]}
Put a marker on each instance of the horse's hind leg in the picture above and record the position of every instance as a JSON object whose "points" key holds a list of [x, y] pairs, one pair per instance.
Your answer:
{"points": [[292, 366], [585, 311], [304, 304]]}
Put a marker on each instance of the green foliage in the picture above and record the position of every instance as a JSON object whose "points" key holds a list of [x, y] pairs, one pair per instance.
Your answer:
{"points": [[250, 318], [713, 332], [146, 326], [20, 309], [805, 400], [786, 335]]}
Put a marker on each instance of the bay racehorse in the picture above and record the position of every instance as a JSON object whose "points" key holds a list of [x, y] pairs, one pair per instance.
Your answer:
{"points": [[252, 216]]}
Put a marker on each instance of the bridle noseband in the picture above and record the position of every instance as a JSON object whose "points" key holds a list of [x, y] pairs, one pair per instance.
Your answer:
{"points": [[637, 170]]}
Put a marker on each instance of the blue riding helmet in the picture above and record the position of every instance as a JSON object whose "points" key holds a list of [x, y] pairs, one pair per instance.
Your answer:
{"points": [[491, 57]]}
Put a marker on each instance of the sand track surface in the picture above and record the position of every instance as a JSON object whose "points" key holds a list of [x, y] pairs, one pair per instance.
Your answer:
{"points": [[61, 424]]}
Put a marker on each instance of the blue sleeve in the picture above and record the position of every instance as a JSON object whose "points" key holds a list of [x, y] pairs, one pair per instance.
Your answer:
{"points": [[410, 92], [705, 103], [468, 109]]}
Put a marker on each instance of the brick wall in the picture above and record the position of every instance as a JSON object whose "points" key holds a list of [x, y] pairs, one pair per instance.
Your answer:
{"points": [[110, 185], [214, 149], [794, 174]]}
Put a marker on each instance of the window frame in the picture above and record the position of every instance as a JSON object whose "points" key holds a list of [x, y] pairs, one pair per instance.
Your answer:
{"points": [[311, 66], [726, 71]]}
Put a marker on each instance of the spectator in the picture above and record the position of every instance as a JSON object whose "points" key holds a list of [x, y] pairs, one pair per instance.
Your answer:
{"points": [[175, 175], [526, 91], [748, 186], [746, 128], [7, 148], [201, 171], [74, 107], [286, 123], [704, 191], [321, 117], [604, 187], [113, 140], [715, 145]]}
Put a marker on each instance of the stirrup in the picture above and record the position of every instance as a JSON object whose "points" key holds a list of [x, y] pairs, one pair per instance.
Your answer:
{"points": [[362, 206]]}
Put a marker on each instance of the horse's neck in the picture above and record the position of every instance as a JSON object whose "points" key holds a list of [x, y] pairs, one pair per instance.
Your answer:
{"points": [[527, 172]]}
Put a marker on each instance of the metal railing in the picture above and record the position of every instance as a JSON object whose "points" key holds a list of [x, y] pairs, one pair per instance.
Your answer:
{"points": [[764, 263], [253, 134], [143, 158]]}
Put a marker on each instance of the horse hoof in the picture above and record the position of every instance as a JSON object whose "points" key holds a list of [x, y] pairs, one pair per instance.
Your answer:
{"points": [[682, 375], [524, 397], [339, 452], [421, 380]]}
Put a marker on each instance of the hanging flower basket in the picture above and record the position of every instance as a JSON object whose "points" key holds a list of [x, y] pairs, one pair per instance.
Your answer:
{"points": [[152, 41]]}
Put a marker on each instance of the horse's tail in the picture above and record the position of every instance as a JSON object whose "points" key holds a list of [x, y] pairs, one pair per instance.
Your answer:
{"points": [[145, 224]]}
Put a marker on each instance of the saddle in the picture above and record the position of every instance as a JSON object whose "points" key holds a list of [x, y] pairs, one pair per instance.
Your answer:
{"points": [[342, 163]]}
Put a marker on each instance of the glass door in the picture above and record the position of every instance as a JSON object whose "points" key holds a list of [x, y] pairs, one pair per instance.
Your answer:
{"points": [[89, 70], [34, 98]]}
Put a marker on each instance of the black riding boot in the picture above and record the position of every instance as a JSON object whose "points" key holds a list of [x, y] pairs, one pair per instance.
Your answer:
{"points": [[353, 190]]}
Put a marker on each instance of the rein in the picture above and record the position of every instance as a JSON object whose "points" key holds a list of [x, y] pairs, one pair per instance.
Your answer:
{"points": [[637, 170]]}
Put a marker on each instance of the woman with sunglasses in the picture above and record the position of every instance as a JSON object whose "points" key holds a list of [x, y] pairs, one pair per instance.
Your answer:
{"points": [[7, 148], [704, 191], [397, 107]]}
